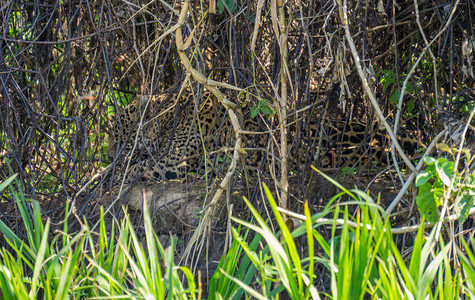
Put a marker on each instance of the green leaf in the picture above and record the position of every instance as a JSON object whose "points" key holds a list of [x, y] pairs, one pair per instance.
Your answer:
{"points": [[429, 160], [267, 111], [426, 202], [252, 17], [254, 111], [410, 106], [444, 169], [444, 147], [395, 97], [229, 4], [387, 79], [438, 190], [463, 202], [265, 107], [422, 178]]}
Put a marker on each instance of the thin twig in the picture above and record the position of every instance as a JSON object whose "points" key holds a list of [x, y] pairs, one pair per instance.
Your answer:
{"points": [[399, 230], [369, 93]]}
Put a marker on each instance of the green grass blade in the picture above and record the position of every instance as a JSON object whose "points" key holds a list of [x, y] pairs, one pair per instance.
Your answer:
{"points": [[7, 182], [289, 242], [155, 272], [247, 268], [247, 288], [311, 249], [222, 285], [335, 183], [39, 261], [427, 279]]}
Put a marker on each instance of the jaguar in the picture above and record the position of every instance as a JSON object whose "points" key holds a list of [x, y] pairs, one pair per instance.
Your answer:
{"points": [[164, 140]]}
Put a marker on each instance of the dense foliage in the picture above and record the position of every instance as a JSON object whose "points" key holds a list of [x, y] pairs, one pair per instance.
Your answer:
{"points": [[68, 68]]}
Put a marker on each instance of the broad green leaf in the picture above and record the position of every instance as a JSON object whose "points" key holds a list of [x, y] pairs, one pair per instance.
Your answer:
{"points": [[444, 170], [254, 111], [267, 110], [427, 203], [395, 97], [429, 160], [265, 107], [229, 3], [422, 178]]}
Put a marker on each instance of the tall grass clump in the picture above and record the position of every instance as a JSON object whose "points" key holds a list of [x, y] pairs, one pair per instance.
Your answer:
{"points": [[109, 264], [266, 260], [361, 257]]}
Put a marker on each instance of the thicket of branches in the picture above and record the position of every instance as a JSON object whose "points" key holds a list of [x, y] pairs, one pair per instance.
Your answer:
{"points": [[67, 67]]}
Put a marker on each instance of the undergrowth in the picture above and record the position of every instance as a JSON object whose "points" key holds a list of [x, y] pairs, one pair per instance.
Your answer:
{"points": [[361, 259]]}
